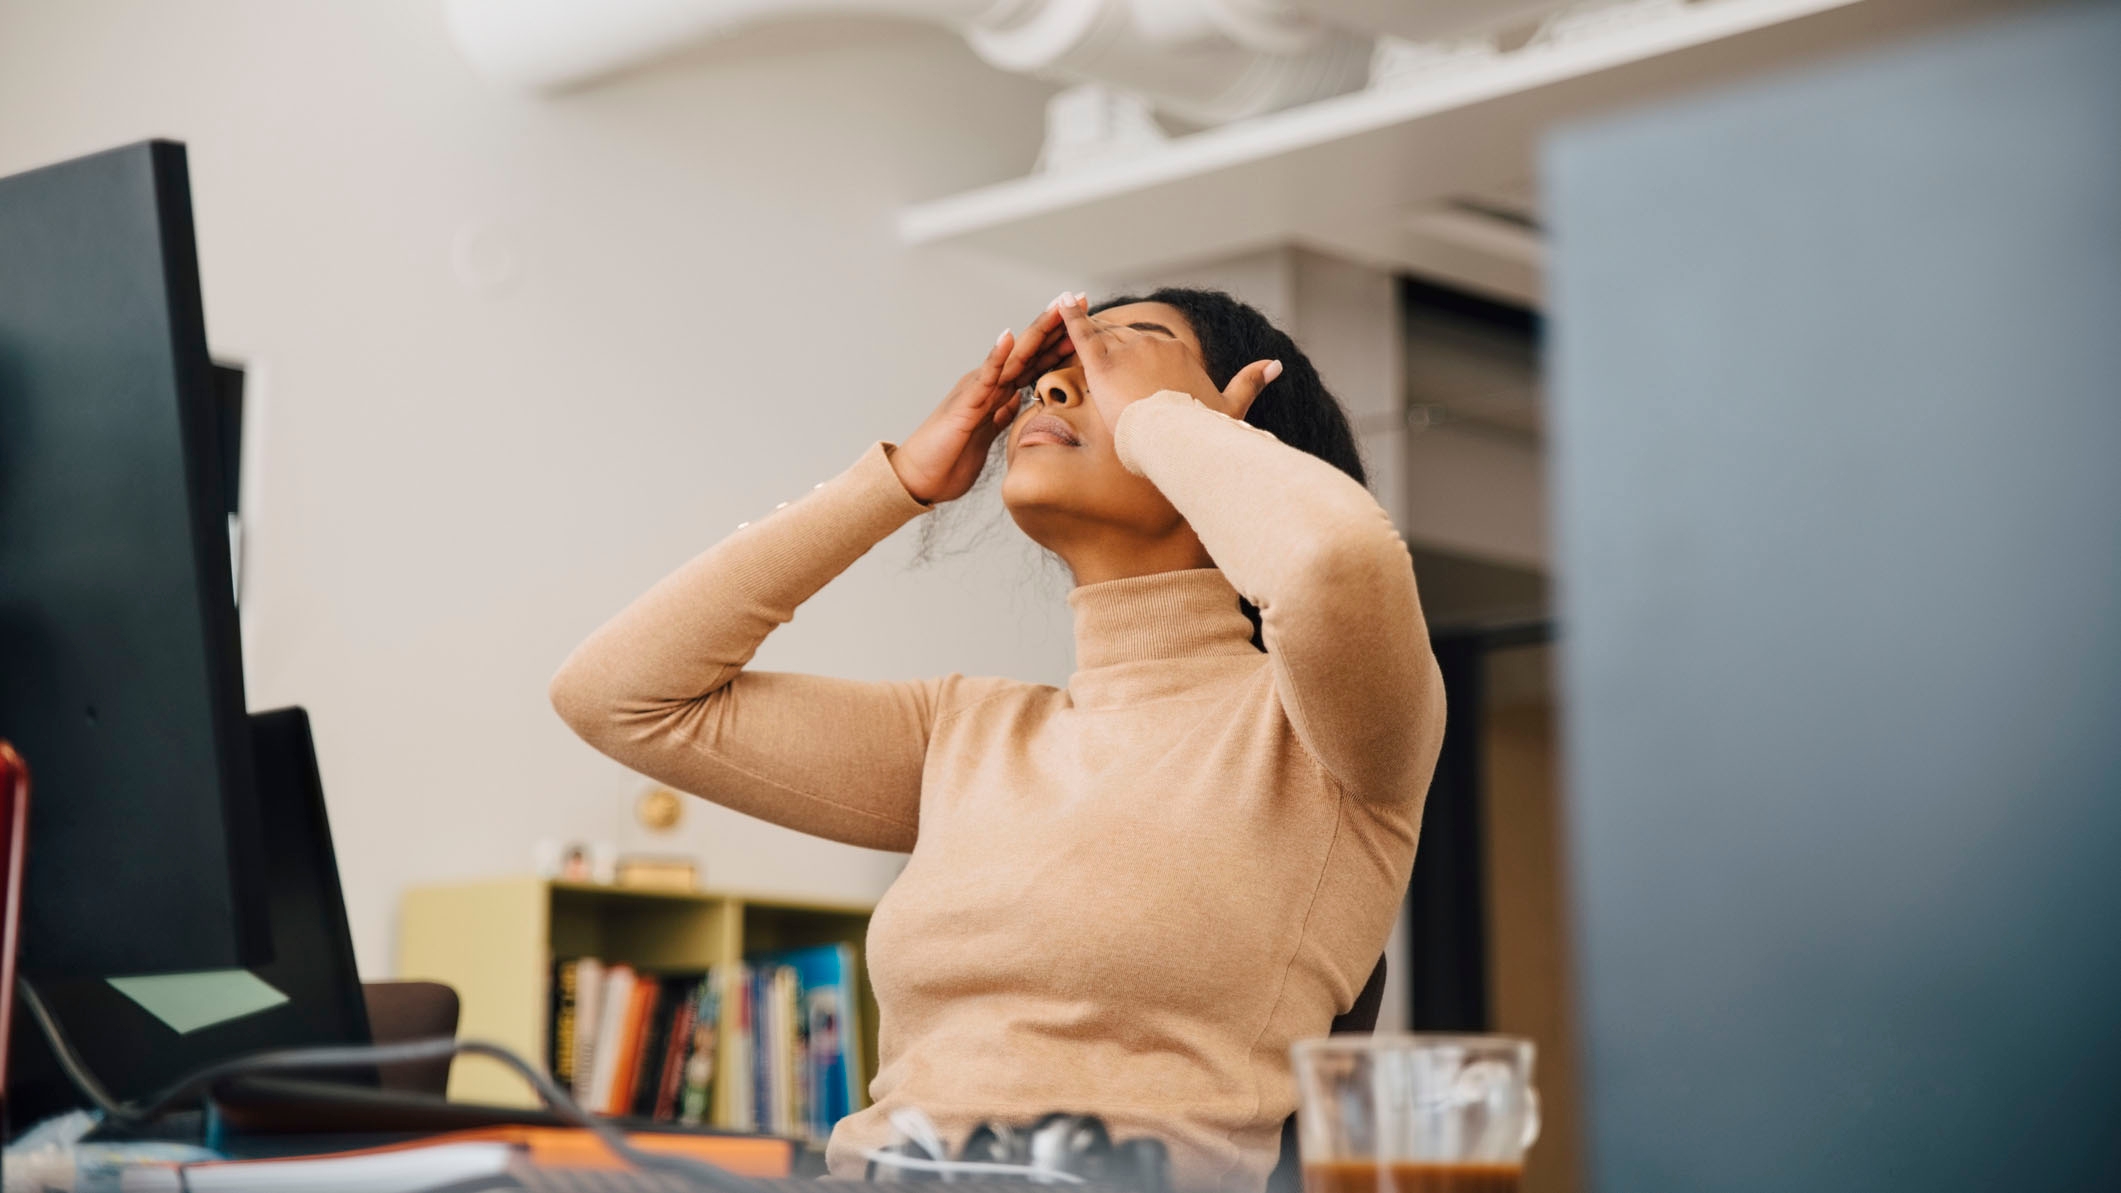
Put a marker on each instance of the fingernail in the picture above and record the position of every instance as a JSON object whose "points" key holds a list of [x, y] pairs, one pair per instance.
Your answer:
{"points": [[998, 339], [1082, 298], [1273, 369], [1058, 301]]}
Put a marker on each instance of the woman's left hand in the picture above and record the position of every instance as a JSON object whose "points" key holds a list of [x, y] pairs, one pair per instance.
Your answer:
{"points": [[1124, 365]]}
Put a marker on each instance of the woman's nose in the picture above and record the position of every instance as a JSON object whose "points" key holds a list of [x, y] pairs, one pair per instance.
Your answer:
{"points": [[1060, 388]]}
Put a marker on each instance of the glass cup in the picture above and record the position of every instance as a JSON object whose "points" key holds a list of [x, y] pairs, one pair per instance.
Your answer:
{"points": [[1414, 1113]]}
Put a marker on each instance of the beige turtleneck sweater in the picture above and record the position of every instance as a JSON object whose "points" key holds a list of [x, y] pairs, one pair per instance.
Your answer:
{"points": [[1127, 895]]}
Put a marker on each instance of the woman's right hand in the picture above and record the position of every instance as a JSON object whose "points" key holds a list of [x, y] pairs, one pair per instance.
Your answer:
{"points": [[944, 455]]}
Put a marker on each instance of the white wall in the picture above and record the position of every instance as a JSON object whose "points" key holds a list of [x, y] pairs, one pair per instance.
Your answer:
{"points": [[681, 303], [1479, 493]]}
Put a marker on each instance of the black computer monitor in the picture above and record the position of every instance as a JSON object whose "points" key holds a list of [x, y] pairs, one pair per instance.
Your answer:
{"points": [[134, 1053], [120, 669]]}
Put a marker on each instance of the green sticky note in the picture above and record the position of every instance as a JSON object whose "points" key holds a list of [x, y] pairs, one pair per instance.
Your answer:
{"points": [[190, 1001]]}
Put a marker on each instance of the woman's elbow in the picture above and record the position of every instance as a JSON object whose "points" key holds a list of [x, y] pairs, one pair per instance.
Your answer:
{"points": [[584, 704]]}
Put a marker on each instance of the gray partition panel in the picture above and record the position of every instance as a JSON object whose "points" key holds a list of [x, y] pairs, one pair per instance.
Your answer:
{"points": [[1837, 375]]}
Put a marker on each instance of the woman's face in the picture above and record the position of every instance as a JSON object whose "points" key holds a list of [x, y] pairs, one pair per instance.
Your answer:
{"points": [[1064, 478]]}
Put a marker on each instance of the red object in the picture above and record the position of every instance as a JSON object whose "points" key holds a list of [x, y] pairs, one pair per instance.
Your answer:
{"points": [[633, 1045], [14, 835], [673, 1084]]}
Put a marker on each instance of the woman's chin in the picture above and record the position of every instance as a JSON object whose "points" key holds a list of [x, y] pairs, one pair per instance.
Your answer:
{"points": [[1036, 480], [1040, 468]]}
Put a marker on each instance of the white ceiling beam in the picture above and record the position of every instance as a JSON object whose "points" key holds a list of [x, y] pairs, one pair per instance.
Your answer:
{"points": [[1342, 173]]}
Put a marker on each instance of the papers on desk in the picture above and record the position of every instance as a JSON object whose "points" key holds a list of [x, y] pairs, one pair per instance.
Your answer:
{"points": [[407, 1170], [445, 1161]]}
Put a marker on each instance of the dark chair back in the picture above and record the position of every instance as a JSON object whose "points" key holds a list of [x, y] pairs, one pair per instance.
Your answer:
{"points": [[1361, 1019], [401, 1012]]}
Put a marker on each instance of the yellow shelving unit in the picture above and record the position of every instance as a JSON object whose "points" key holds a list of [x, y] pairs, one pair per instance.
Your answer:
{"points": [[495, 943]]}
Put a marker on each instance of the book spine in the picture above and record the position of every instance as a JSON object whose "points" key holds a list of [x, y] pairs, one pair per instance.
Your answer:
{"points": [[700, 1061], [850, 1025], [611, 1036], [742, 1073], [793, 1037], [783, 1087], [770, 996], [675, 1046], [638, 1010], [655, 1041], [559, 1053], [809, 1090], [761, 1011], [761, 1050], [588, 1020]]}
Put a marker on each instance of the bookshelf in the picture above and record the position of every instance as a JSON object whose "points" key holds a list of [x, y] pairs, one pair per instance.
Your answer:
{"points": [[495, 942]]}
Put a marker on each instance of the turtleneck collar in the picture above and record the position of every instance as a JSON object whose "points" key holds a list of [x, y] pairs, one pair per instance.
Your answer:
{"points": [[1167, 615]]}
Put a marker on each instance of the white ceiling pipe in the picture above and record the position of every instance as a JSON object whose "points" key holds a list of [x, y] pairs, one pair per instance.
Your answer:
{"points": [[1207, 61], [1429, 20], [1204, 60], [550, 45]]}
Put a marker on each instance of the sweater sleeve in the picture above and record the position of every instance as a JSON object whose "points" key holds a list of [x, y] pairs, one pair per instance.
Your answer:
{"points": [[662, 686], [1333, 581]]}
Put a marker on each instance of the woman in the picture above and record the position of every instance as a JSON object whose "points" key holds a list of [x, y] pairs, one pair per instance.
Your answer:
{"points": [[1128, 895]]}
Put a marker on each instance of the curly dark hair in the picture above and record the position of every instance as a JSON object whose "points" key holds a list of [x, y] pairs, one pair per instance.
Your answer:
{"points": [[1297, 408]]}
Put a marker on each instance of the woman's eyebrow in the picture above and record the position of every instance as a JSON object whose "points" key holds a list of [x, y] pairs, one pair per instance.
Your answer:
{"points": [[1146, 326]]}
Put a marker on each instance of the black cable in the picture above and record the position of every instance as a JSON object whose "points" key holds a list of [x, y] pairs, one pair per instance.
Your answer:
{"points": [[360, 1057], [70, 1062]]}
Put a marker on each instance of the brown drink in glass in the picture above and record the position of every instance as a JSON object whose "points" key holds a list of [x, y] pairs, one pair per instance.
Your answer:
{"points": [[1415, 1114], [1357, 1176]]}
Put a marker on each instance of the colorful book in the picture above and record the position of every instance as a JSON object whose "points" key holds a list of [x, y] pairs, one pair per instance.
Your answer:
{"points": [[607, 1054], [818, 1032], [772, 1045], [759, 1008], [559, 1043], [743, 1109], [640, 1007], [670, 1084], [588, 1020], [788, 998], [673, 996], [696, 1104]]}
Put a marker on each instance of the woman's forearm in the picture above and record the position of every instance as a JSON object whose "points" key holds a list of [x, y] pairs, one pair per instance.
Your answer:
{"points": [[1332, 578], [658, 686]]}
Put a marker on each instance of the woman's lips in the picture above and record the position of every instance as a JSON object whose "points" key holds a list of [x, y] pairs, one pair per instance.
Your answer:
{"points": [[1045, 428]]}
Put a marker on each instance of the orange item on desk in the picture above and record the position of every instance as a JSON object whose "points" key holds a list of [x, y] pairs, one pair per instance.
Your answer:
{"points": [[458, 1156], [572, 1147]]}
